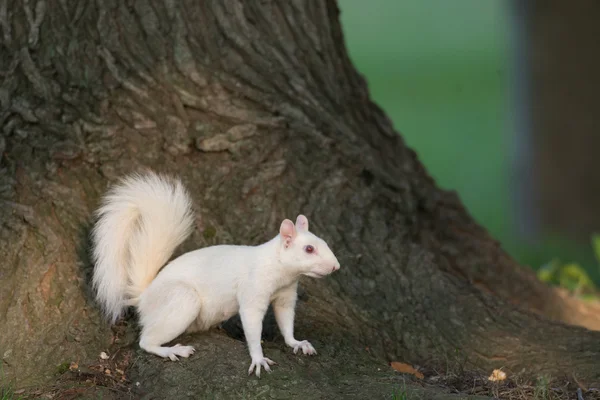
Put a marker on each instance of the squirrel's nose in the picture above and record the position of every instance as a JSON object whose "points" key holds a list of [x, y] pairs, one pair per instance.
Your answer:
{"points": [[335, 267]]}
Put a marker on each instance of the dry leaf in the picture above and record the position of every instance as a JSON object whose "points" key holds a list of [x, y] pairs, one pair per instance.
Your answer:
{"points": [[406, 369], [103, 356], [497, 375], [74, 366], [107, 371]]}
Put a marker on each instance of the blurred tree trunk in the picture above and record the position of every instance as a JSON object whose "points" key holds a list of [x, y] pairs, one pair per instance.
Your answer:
{"points": [[256, 106], [560, 135]]}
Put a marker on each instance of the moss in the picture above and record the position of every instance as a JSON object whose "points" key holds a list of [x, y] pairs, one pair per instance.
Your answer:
{"points": [[209, 232], [62, 368]]}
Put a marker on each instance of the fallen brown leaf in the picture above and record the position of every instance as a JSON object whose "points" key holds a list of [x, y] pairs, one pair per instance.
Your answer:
{"points": [[406, 369]]}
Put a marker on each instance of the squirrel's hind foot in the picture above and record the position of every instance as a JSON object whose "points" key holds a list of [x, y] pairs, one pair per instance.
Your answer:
{"points": [[171, 352]]}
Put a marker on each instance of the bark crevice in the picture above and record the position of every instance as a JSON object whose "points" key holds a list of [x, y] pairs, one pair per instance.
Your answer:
{"points": [[257, 107]]}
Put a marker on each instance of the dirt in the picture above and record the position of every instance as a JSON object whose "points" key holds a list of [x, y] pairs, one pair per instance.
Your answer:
{"points": [[218, 370]]}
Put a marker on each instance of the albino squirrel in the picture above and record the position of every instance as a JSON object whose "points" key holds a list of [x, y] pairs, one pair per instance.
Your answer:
{"points": [[141, 222]]}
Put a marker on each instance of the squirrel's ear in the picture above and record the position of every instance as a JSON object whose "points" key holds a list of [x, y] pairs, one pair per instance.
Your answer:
{"points": [[287, 232], [301, 223]]}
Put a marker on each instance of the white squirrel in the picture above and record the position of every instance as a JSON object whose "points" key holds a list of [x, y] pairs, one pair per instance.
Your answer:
{"points": [[144, 218]]}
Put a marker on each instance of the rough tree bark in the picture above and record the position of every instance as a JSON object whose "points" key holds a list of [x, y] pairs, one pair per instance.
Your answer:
{"points": [[257, 107]]}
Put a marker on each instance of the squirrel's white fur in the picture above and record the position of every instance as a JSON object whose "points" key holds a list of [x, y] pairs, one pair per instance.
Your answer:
{"points": [[141, 222]]}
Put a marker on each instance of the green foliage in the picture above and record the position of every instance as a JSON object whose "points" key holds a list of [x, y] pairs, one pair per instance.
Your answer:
{"points": [[572, 276], [6, 388], [62, 368], [596, 246], [7, 392], [541, 391], [400, 394]]}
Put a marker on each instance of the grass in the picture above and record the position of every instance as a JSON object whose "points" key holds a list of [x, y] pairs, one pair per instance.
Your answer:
{"points": [[441, 71], [541, 391], [7, 393], [400, 393]]}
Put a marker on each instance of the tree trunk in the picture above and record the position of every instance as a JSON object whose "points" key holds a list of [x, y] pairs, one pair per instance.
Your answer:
{"points": [[257, 107], [561, 186]]}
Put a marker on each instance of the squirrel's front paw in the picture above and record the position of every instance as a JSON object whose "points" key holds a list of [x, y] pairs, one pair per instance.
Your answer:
{"points": [[258, 362], [303, 345]]}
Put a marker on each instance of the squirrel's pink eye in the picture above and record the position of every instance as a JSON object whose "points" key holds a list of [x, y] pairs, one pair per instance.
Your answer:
{"points": [[309, 249]]}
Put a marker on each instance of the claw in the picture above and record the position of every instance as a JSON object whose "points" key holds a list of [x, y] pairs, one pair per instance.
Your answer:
{"points": [[181, 351], [258, 364], [270, 362], [305, 346]]}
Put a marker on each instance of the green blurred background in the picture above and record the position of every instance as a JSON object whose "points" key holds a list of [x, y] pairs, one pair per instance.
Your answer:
{"points": [[443, 71]]}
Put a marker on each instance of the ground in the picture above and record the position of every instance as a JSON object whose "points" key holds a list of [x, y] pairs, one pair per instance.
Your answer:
{"points": [[218, 370]]}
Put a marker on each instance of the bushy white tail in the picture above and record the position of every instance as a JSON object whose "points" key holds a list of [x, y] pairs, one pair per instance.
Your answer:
{"points": [[141, 222]]}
